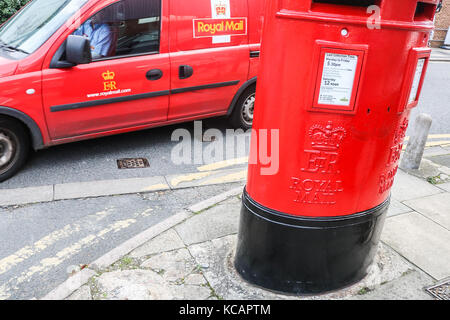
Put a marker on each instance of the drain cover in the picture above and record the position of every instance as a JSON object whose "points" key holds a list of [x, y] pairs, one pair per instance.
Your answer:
{"points": [[440, 291], [133, 163]]}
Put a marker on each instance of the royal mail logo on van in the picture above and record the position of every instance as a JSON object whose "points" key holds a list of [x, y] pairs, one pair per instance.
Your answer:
{"points": [[110, 86], [204, 28]]}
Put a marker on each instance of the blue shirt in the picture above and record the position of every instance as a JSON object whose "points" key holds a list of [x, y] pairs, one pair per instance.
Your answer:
{"points": [[100, 36]]}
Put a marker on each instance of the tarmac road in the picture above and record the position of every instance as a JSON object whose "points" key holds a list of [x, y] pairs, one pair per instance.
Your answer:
{"points": [[435, 98]]}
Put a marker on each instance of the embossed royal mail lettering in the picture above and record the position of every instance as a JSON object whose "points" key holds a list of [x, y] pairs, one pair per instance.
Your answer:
{"points": [[322, 158], [321, 161], [399, 137], [316, 191], [387, 180], [325, 142]]}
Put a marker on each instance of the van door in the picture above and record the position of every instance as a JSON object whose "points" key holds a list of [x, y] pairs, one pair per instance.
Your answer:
{"points": [[209, 55], [126, 85]]}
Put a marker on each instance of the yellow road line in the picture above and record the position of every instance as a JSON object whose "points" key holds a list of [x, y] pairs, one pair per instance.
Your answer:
{"points": [[434, 136], [189, 177], [439, 136], [66, 253], [432, 144], [233, 177], [156, 187], [437, 143], [223, 164], [46, 264], [26, 252]]}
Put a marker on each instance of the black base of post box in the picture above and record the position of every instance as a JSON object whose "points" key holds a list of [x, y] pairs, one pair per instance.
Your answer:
{"points": [[306, 255]]}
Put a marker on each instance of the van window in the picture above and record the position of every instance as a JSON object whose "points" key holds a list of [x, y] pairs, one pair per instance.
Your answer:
{"points": [[36, 23], [127, 27]]}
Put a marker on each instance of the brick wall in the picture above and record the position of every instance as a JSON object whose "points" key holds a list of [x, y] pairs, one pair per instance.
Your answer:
{"points": [[442, 22]]}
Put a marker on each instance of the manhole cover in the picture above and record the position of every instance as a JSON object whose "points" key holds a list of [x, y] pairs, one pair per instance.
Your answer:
{"points": [[440, 291], [133, 163]]}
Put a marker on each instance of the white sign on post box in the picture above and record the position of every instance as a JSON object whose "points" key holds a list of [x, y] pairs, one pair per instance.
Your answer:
{"points": [[338, 78], [416, 81]]}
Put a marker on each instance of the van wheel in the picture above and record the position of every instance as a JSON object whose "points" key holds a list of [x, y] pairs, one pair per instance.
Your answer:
{"points": [[242, 116], [14, 147]]}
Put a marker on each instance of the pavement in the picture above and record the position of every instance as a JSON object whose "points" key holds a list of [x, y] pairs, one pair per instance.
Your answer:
{"points": [[205, 175], [439, 54], [190, 255]]}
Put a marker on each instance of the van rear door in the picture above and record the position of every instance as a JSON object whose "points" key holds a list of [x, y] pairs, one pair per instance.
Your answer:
{"points": [[209, 55]]}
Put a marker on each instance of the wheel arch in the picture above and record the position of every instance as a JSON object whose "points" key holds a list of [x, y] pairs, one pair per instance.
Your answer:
{"points": [[37, 140], [238, 94]]}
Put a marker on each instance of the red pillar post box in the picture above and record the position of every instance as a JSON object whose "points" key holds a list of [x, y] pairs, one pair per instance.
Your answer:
{"points": [[338, 80]]}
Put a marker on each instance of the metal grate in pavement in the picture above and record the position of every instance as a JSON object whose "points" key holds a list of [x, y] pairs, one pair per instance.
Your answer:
{"points": [[440, 291], [133, 163]]}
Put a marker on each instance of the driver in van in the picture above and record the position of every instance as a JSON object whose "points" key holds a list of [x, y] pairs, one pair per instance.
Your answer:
{"points": [[99, 34]]}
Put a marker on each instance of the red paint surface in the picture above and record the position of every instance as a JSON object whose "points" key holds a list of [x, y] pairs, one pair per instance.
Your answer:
{"points": [[212, 63], [343, 161]]}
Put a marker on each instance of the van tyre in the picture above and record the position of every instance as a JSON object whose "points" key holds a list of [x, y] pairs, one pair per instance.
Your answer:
{"points": [[242, 116], [14, 147]]}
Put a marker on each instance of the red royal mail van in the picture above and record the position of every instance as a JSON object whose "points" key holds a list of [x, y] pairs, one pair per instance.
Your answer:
{"points": [[80, 69]]}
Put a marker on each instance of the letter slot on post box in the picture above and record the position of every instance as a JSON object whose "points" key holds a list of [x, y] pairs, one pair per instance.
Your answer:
{"points": [[338, 80]]}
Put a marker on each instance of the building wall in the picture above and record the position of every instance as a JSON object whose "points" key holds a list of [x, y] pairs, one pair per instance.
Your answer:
{"points": [[442, 22]]}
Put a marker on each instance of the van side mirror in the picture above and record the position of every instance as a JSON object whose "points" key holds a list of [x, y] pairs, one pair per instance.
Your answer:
{"points": [[78, 50]]}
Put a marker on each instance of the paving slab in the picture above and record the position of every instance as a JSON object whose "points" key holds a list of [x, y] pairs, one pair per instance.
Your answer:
{"points": [[84, 293], [132, 285], [445, 186], [216, 260], [10, 197], [436, 207], [217, 256], [439, 54], [109, 187], [407, 187], [443, 160], [167, 241], [421, 241], [396, 208], [179, 281], [427, 169], [173, 266], [410, 286], [435, 151], [218, 221]]}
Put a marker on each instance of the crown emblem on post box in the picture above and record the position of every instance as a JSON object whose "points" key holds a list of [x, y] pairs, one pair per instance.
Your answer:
{"points": [[327, 137], [221, 8], [108, 75]]}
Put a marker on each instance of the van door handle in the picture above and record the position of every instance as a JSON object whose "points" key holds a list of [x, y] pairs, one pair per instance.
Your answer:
{"points": [[185, 72], [154, 74]]}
